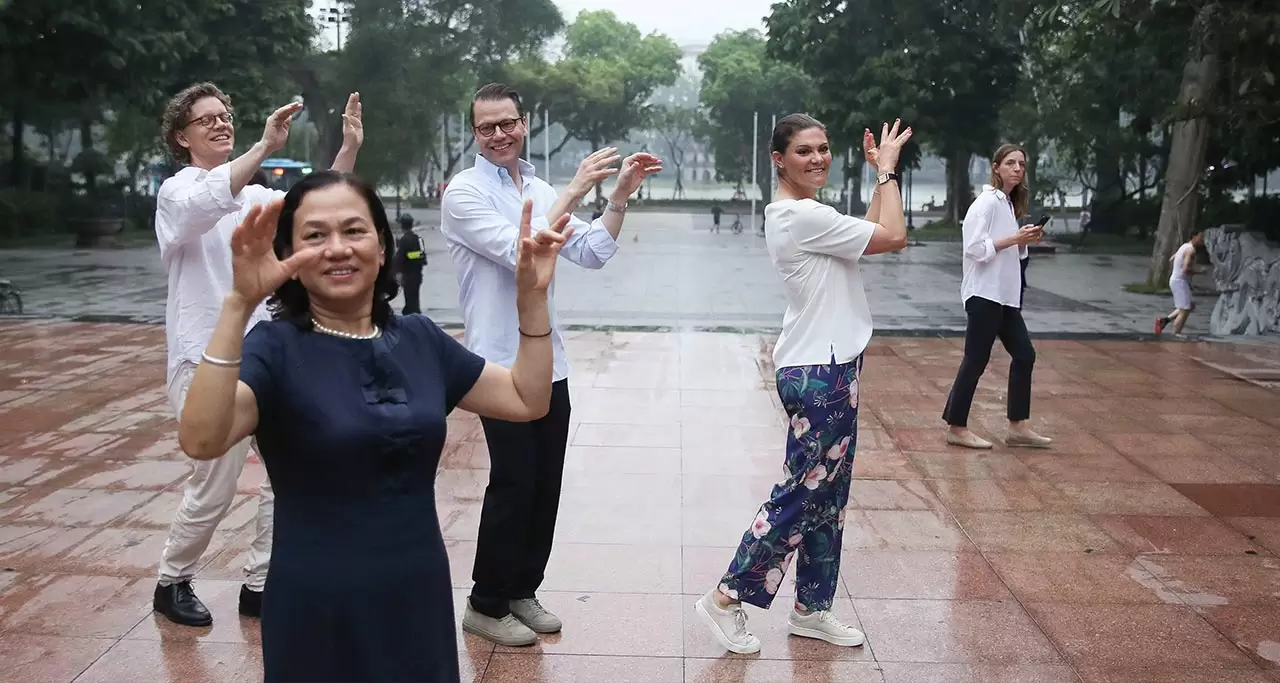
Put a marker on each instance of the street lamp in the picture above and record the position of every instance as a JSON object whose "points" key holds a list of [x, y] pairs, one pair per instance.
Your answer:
{"points": [[338, 14]]}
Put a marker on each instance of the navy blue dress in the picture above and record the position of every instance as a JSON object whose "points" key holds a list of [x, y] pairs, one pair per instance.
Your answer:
{"points": [[351, 432]]}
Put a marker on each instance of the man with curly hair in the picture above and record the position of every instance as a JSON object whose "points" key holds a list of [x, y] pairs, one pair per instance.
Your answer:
{"points": [[196, 211]]}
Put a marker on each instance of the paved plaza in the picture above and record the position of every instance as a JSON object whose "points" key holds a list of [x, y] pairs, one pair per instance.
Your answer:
{"points": [[1144, 548], [671, 272]]}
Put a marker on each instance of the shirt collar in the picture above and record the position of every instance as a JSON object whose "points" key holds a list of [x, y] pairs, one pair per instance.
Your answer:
{"points": [[491, 170], [998, 192]]}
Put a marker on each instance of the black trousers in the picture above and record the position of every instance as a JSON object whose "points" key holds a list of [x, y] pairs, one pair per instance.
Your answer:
{"points": [[518, 520], [987, 321], [411, 282]]}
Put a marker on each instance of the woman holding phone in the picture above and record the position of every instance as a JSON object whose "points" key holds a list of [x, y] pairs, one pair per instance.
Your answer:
{"points": [[994, 246]]}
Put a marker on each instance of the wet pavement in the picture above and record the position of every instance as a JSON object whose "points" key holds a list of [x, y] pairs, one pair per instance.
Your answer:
{"points": [[670, 273], [1145, 547]]}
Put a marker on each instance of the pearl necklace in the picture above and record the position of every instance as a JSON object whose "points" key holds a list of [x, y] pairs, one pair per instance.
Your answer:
{"points": [[345, 335]]}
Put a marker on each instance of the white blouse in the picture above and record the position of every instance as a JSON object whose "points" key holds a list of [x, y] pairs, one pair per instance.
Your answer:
{"points": [[816, 250], [990, 274]]}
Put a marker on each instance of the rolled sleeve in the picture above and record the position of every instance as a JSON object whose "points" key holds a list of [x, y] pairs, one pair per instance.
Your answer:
{"points": [[978, 244], [189, 205], [592, 245]]}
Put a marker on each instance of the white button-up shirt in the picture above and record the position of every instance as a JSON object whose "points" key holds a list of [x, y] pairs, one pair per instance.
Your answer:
{"points": [[195, 216], [480, 219], [990, 274], [816, 250]]}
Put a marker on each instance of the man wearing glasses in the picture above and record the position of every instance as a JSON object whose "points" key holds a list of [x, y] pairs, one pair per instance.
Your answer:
{"points": [[196, 211], [480, 212]]}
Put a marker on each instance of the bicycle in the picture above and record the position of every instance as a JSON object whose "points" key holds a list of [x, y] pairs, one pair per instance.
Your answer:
{"points": [[10, 299], [737, 225]]}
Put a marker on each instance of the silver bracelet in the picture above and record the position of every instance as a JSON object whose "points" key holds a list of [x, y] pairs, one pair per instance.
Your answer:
{"points": [[220, 362]]}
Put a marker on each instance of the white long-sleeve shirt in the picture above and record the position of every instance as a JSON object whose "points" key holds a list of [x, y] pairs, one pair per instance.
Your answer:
{"points": [[990, 274], [195, 216], [816, 250], [480, 219]]}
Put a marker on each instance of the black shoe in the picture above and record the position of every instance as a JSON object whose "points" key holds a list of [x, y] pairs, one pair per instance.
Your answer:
{"points": [[250, 602], [179, 604]]}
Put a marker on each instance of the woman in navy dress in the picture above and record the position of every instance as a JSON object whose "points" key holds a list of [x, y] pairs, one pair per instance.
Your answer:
{"points": [[348, 404]]}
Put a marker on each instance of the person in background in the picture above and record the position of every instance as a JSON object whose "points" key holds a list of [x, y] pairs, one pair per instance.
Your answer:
{"points": [[816, 251], [410, 260], [716, 210], [991, 289], [196, 212], [1184, 263], [480, 215]]}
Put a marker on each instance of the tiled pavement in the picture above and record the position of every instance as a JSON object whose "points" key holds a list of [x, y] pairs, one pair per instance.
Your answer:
{"points": [[1143, 548], [670, 272]]}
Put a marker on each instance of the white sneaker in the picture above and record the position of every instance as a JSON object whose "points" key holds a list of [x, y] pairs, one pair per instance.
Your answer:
{"points": [[539, 619], [506, 631], [729, 626], [824, 626]]}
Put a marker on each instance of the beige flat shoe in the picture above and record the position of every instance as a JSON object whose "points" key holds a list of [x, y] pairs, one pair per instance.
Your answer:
{"points": [[971, 441], [1027, 441]]}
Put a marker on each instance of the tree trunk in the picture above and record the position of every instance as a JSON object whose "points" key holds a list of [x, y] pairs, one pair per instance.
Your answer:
{"points": [[1109, 192], [19, 147], [1186, 162], [959, 191]]}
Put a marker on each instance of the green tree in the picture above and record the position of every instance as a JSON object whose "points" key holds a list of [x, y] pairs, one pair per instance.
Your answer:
{"points": [[140, 55], [946, 69], [416, 62], [612, 70], [678, 127], [739, 80]]}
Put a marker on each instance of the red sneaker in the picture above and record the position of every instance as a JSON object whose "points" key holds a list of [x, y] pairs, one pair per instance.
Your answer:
{"points": [[1160, 323]]}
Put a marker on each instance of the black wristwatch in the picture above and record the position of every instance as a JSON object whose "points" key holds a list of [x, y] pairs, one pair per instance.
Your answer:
{"points": [[883, 178]]}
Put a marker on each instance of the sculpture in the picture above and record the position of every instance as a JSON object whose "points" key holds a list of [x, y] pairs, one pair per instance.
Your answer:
{"points": [[1246, 270]]}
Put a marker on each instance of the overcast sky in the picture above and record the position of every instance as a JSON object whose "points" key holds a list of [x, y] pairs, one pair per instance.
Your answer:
{"points": [[686, 21]]}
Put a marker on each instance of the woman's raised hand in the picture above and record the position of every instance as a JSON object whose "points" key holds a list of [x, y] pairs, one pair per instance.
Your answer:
{"points": [[891, 143], [256, 271]]}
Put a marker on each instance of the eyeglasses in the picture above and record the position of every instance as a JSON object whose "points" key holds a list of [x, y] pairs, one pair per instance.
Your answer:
{"points": [[486, 130], [210, 120]]}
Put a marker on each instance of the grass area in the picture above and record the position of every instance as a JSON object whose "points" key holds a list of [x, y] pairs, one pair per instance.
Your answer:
{"points": [[938, 231], [1144, 288], [946, 231], [1107, 244], [65, 240]]}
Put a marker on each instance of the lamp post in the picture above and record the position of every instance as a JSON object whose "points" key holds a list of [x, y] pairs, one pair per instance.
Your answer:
{"points": [[338, 13]]}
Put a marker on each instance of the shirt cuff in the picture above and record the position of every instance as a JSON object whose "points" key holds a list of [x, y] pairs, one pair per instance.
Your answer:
{"points": [[601, 242], [219, 183]]}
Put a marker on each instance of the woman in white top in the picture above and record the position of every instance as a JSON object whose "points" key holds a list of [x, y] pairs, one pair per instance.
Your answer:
{"points": [[818, 358], [991, 290]]}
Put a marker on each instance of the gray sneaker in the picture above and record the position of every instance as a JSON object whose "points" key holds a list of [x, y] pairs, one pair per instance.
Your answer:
{"points": [[531, 613], [505, 631]]}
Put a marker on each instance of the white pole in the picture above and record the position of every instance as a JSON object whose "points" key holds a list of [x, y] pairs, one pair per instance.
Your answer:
{"points": [[546, 144], [848, 187], [755, 141], [773, 176]]}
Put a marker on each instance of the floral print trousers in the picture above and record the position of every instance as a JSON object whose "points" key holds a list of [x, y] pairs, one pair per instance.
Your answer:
{"points": [[803, 520]]}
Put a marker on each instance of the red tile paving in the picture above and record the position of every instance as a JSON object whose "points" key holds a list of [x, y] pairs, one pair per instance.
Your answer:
{"points": [[1144, 547]]}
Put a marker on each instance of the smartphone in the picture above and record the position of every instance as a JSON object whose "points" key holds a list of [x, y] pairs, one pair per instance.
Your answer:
{"points": [[1044, 220]]}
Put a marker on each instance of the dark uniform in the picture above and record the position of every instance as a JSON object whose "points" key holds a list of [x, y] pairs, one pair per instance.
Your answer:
{"points": [[410, 259]]}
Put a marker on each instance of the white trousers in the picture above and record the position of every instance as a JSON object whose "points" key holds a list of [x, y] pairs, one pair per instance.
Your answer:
{"points": [[206, 498]]}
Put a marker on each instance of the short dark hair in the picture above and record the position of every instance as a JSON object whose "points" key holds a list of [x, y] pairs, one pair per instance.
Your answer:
{"points": [[291, 301], [787, 127], [178, 112], [495, 92]]}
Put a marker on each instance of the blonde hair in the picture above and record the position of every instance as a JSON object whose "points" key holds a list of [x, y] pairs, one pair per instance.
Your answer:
{"points": [[1021, 195]]}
